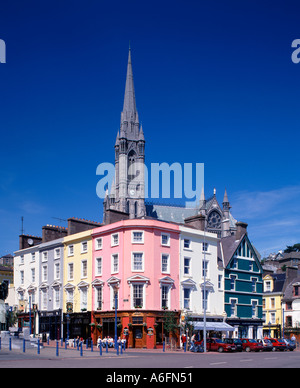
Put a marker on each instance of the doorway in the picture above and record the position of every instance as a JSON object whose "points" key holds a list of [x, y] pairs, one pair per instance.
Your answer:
{"points": [[137, 336]]}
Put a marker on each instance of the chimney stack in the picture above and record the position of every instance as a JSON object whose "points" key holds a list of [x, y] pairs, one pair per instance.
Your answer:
{"points": [[241, 229]]}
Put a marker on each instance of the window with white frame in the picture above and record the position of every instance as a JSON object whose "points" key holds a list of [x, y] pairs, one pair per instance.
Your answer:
{"points": [[165, 239], [84, 247], [204, 268], [44, 297], [32, 275], [98, 243], [57, 253], [70, 295], [165, 263], [253, 284], [233, 307], [83, 298], [114, 239], [205, 246], [187, 243], [22, 259], [138, 295], [56, 303], [254, 309], [57, 271], [205, 299], [137, 237], [187, 298], [70, 250], [99, 297], [137, 261], [220, 280], [44, 256], [33, 256], [45, 273], [83, 268], [70, 271], [115, 297], [187, 266], [232, 282], [267, 286], [98, 266], [22, 277], [115, 263], [165, 296]]}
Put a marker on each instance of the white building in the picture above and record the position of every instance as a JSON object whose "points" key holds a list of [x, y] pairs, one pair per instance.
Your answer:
{"points": [[201, 276]]}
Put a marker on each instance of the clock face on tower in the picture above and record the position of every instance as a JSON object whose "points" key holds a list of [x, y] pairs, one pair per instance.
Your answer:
{"points": [[214, 220]]}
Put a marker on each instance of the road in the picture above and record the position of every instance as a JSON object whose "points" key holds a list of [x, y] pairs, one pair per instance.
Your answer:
{"points": [[134, 359]]}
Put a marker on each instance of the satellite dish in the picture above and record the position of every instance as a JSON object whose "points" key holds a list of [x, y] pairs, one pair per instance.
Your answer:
{"points": [[30, 241]]}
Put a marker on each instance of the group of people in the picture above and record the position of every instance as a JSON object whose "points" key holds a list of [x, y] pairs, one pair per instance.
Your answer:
{"points": [[110, 342]]}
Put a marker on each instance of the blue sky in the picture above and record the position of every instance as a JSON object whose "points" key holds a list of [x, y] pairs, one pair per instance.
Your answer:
{"points": [[214, 84]]}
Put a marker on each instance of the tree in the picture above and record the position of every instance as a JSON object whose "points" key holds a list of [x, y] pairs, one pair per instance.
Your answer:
{"points": [[292, 248], [170, 322]]}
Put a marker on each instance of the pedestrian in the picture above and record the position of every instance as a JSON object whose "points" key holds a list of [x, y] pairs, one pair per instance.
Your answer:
{"points": [[293, 338], [183, 339], [192, 342]]}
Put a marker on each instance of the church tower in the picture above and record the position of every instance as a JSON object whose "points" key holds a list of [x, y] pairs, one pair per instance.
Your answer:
{"points": [[128, 189]]}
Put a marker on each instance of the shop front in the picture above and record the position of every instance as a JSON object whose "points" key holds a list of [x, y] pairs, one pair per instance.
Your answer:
{"points": [[50, 322], [77, 325], [141, 329]]}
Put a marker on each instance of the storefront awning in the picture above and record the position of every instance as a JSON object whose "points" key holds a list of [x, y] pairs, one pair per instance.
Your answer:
{"points": [[216, 326]]}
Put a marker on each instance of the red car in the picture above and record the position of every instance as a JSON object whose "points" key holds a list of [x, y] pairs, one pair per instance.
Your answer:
{"points": [[251, 345], [278, 344], [217, 345]]}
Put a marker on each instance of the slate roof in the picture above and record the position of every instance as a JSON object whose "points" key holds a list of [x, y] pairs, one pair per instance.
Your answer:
{"points": [[288, 293]]}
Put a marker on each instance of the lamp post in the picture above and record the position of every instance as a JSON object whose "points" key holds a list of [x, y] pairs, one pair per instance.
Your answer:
{"points": [[204, 297], [116, 321]]}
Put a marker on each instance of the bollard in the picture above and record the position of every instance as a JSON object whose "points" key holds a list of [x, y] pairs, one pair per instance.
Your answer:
{"points": [[81, 353], [117, 348], [66, 344], [100, 348], [9, 343], [184, 346], [38, 347], [163, 346], [24, 346], [121, 346], [48, 339], [106, 347], [57, 353], [92, 346]]}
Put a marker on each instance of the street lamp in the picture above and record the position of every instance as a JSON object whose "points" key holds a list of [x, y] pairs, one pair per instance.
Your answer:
{"points": [[116, 321]]}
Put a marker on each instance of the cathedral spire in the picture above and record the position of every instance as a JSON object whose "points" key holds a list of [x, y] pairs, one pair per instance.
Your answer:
{"points": [[129, 107]]}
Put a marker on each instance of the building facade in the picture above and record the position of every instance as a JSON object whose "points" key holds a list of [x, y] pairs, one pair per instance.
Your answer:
{"points": [[201, 277], [77, 275], [272, 304], [243, 284], [136, 265]]}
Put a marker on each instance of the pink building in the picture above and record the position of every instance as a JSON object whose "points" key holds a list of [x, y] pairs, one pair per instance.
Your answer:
{"points": [[137, 260]]}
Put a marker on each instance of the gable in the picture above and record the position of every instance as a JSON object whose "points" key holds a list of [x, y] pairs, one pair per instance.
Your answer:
{"points": [[244, 250]]}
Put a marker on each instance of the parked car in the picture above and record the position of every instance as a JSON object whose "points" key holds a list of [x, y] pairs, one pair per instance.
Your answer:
{"points": [[251, 345], [267, 344], [278, 344], [217, 345], [291, 345], [235, 341]]}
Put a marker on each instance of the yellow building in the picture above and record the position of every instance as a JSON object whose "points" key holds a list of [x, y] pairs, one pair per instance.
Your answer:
{"points": [[77, 295], [272, 304]]}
